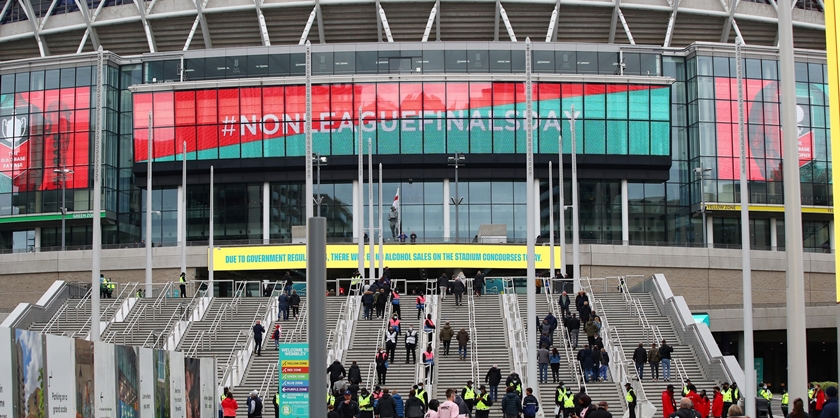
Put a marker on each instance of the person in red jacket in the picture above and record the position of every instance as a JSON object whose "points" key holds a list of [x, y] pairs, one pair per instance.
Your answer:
{"points": [[819, 396], [669, 404], [229, 406], [717, 403], [692, 394], [702, 405]]}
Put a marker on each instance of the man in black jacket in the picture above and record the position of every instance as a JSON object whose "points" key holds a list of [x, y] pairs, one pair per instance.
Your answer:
{"points": [[355, 374], [640, 358], [347, 408], [665, 351], [493, 378], [258, 336], [386, 407], [458, 289], [478, 283], [336, 371], [255, 405], [686, 410], [564, 303], [573, 326], [443, 285]]}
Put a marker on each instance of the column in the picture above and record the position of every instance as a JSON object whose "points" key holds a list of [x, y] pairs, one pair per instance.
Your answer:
{"points": [[266, 214], [710, 231], [446, 220], [181, 215], [38, 238], [537, 221], [830, 235], [774, 235], [625, 214], [357, 213]]}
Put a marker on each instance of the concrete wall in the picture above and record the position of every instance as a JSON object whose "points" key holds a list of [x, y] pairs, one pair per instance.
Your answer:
{"points": [[709, 279]]}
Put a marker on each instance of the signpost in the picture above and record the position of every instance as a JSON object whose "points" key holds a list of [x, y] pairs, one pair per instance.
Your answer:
{"points": [[293, 363]]}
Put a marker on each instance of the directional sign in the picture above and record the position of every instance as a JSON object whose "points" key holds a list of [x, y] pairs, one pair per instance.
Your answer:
{"points": [[293, 362]]}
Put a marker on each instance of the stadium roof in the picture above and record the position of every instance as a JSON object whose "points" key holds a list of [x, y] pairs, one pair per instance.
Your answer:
{"points": [[39, 28]]}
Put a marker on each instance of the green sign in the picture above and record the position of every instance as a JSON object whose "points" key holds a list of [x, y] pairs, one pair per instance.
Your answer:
{"points": [[293, 363], [47, 217], [759, 370], [702, 318]]}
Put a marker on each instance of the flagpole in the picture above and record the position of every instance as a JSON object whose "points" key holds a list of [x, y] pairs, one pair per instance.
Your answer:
{"points": [[399, 212]]}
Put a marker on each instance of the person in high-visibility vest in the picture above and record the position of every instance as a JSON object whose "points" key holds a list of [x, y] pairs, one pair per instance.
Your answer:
{"points": [[182, 279], [276, 404], [785, 400], [630, 397], [468, 395], [559, 398], [482, 403], [764, 393], [365, 404], [726, 393], [568, 403], [685, 389]]}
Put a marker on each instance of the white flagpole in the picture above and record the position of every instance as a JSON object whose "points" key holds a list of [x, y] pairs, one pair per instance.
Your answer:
{"points": [[399, 212]]}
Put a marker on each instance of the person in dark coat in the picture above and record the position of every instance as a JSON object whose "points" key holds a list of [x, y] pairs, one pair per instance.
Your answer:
{"points": [[587, 361], [347, 408], [287, 283], [367, 302], [640, 358], [255, 405], [552, 321], [258, 336], [294, 302], [830, 407], [443, 285], [493, 378], [585, 312], [414, 406], [579, 299], [478, 283], [283, 307], [458, 290], [380, 299], [564, 303], [511, 407], [573, 327], [355, 373], [336, 371], [386, 407]]}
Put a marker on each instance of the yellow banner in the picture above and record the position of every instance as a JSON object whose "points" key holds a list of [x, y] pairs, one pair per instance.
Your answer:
{"points": [[345, 256], [832, 43], [767, 208]]}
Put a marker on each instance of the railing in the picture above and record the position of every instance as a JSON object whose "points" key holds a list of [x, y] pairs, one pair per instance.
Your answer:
{"points": [[153, 339], [129, 329], [198, 343], [158, 303], [222, 315], [679, 367], [516, 332], [55, 319], [234, 361], [298, 329], [650, 333], [349, 311], [379, 338], [431, 308], [475, 369], [270, 376], [571, 358]]}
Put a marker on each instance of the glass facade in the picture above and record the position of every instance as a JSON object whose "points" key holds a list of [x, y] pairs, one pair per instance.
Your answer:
{"points": [[650, 132]]}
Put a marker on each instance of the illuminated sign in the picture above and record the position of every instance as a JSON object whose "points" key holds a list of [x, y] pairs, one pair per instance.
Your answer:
{"points": [[766, 208], [345, 256], [44, 131], [401, 118]]}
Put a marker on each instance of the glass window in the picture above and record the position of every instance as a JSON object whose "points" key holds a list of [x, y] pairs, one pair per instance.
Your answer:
{"points": [[433, 61], [68, 77], [770, 69], [479, 192], [36, 80], [517, 60], [544, 61], [366, 62], [235, 67], [22, 82], [815, 73], [499, 61], [322, 63], [632, 64], [297, 64], [279, 65], [502, 192], [53, 79], [194, 69], [566, 62], [455, 61], [705, 66], [587, 62], [478, 61], [649, 64], [752, 68], [721, 66], [607, 63], [257, 66], [345, 63]]}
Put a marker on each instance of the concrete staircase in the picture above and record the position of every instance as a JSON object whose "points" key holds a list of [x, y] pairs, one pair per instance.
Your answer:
{"points": [[622, 318], [73, 319], [148, 324], [599, 391], [490, 336]]}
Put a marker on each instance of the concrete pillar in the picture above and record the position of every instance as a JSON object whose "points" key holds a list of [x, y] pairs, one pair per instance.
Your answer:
{"points": [[38, 237], [182, 214], [830, 235], [625, 214], [266, 213], [774, 235], [446, 217], [357, 213], [710, 231]]}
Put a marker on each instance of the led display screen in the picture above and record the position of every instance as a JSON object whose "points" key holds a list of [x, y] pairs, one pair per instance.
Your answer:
{"points": [[763, 131], [402, 118], [44, 131]]}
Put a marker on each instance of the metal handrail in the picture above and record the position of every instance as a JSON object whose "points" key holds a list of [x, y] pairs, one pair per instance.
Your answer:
{"points": [[221, 314], [379, 334], [475, 369], [234, 350], [133, 323], [55, 319], [680, 369], [198, 342], [157, 304], [155, 341], [572, 362], [270, 375], [84, 299], [516, 334], [87, 323]]}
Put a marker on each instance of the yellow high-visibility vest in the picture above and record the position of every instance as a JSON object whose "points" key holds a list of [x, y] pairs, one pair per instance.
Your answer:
{"points": [[421, 395], [469, 394], [630, 396], [570, 401], [364, 403], [785, 399], [727, 395], [480, 404]]}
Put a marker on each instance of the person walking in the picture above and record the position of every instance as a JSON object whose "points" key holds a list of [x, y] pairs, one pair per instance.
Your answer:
{"points": [[830, 406], [554, 362], [511, 406], [580, 298], [294, 302], [640, 358], [468, 395], [764, 393], [785, 402], [445, 335], [530, 405], [275, 335], [448, 409], [463, 338], [605, 365], [391, 342], [283, 307], [590, 329], [255, 405], [182, 283], [365, 404], [493, 378], [543, 359], [258, 337], [428, 327], [478, 284], [411, 345], [564, 302], [354, 375], [585, 312], [229, 406], [395, 303], [665, 351], [379, 299], [347, 408], [630, 397], [394, 323], [420, 304], [600, 411], [414, 406], [458, 289], [367, 302], [398, 402], [717, 403], [429, 361], [573, 326], [287, 283], [669, 404], [381, 366], [586, 359], [386, 407], [336, 371], [654, 358], [443, 285]]}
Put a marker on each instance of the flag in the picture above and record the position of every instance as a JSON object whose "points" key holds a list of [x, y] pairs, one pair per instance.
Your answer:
{"points": [[396, 203]]}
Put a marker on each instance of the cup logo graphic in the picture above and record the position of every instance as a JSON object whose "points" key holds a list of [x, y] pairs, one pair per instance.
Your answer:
{"points": [[13, 129]]}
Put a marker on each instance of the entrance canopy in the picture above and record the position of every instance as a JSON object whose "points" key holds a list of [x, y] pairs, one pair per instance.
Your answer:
{"points": [[345, 256]]}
